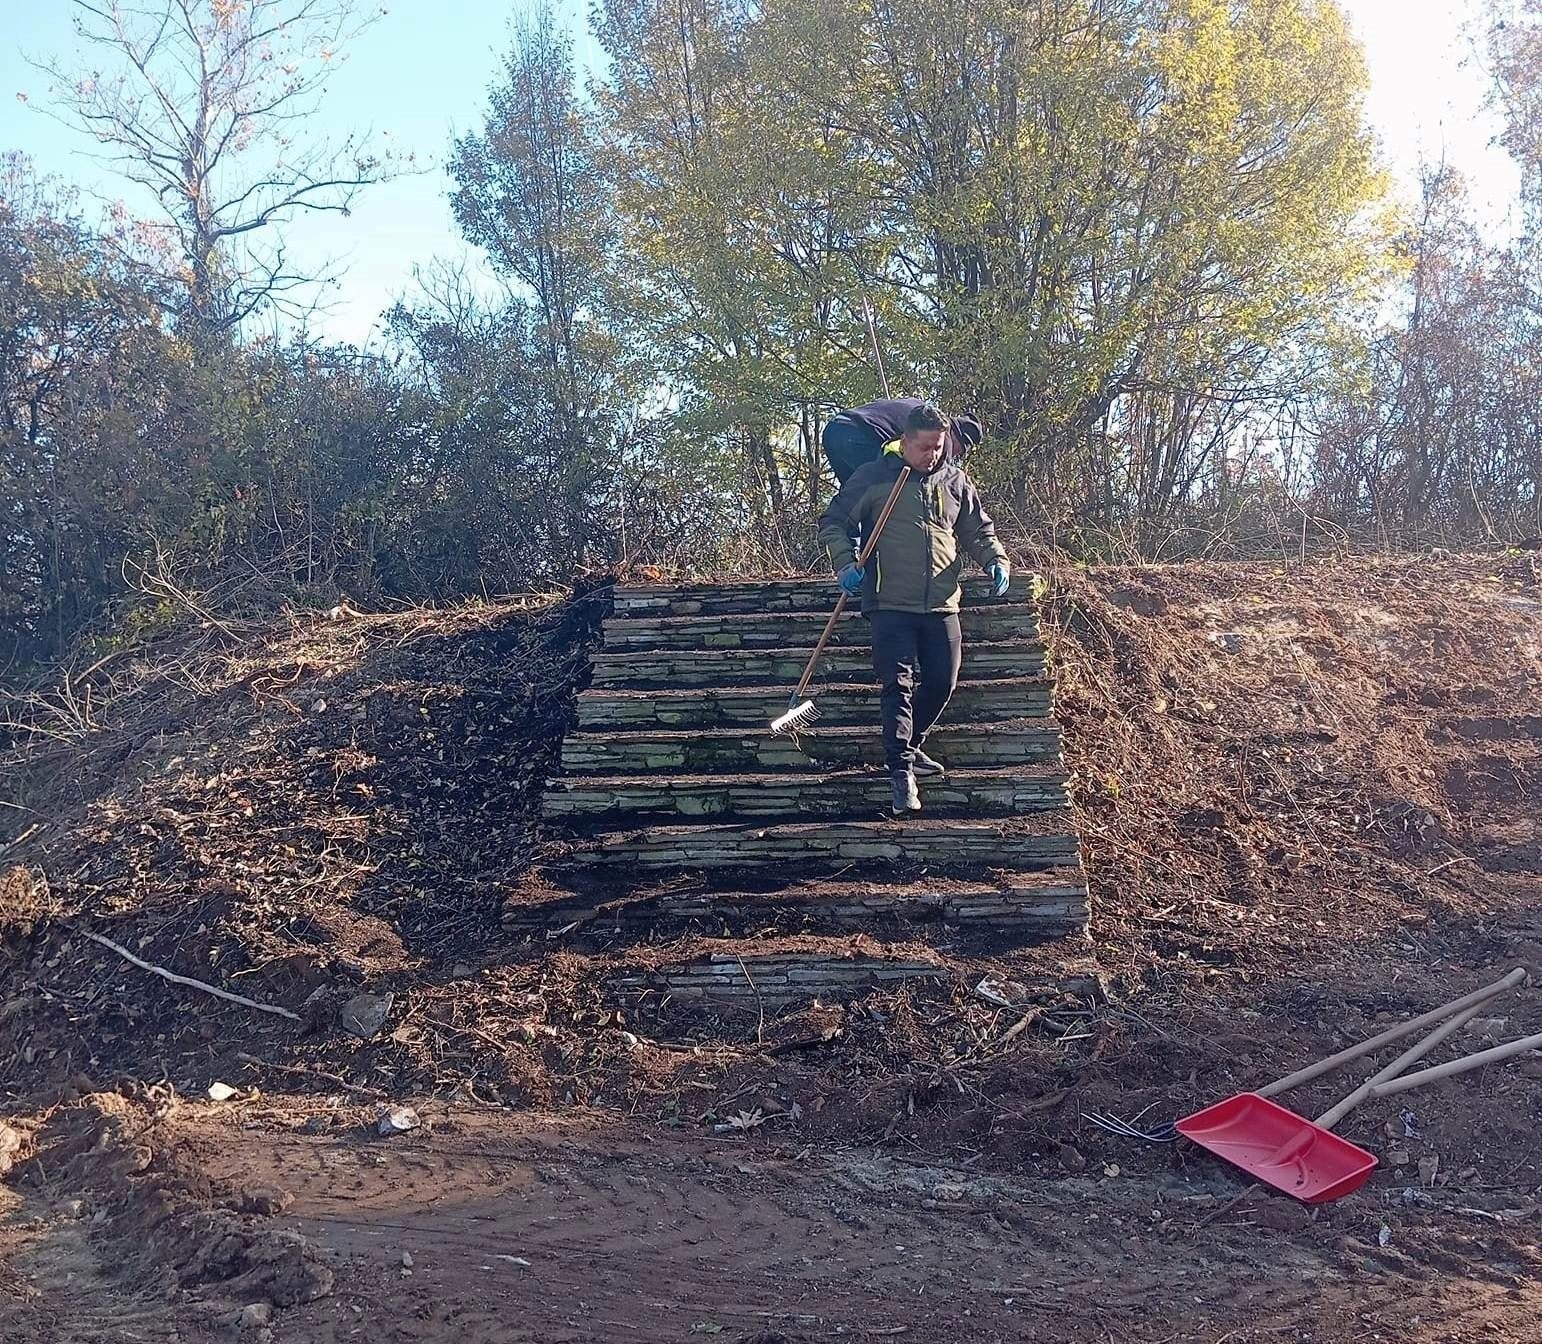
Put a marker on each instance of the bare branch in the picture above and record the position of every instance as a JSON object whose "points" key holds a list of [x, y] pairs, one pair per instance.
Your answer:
{"points": [[201, 114]]}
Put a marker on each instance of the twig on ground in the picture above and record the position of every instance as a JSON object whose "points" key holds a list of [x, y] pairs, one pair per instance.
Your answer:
{"points": [[188, 981], [1450, 863], [334, 1078], [760, 1026]]}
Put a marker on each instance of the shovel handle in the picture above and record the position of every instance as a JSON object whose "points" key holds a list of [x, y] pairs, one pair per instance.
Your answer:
{"points": [[840, 602], [1466, 1064], [1412, 1055], [1311, 1071]]}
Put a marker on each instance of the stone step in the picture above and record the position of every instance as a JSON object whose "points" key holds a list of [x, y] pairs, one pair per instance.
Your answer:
{"points": [[1027, 844], [801, 594], [757, 706], [1023, 907], [1030, 741], [593, 800], [796, 629], [796, 970], [762, 667]]}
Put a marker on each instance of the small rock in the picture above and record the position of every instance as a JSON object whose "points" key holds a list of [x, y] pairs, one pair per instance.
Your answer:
{"points": [[1428, 1166], [406, 1259], [222, 1092], [10, 1141], [397, 1120], [73, 1208], [365, 1014], [1399, 1157], [1280, 1215], [459, 971], [1384, 1237], [1071, 1158], [1489, 1028], [255, 1315], [1531, 1066], [316, 1124], [1002, 993], [267, 1201]]}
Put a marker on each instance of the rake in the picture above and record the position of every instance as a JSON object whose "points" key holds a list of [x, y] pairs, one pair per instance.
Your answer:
{"points": [[802, 712]]}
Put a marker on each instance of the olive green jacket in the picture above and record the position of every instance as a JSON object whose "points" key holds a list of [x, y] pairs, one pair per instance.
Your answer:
{"points": [[936, 522]]}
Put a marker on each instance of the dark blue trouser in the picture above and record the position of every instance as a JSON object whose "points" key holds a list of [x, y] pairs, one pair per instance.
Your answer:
{"points": [[848, 444], [916, 657]]}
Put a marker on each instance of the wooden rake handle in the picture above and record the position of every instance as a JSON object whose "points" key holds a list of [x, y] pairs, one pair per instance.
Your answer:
{"points": [[862, 559], [1397, 1033]]}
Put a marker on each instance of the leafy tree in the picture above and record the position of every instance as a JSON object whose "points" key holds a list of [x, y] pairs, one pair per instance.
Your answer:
{"points": [[81, 346], [530, 193]]}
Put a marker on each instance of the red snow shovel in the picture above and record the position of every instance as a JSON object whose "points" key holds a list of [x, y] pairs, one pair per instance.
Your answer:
{"points": [[1304, 1158]]}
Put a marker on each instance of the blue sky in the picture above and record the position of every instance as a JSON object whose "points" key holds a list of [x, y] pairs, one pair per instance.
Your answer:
{"points": [[421, 75]]}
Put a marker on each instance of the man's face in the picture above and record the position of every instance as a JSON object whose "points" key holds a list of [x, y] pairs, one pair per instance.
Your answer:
{"points": [[923, 448]]}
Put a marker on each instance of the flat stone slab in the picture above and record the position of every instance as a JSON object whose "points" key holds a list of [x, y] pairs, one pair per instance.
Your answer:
{"points": [[683, 668], [800, 594], [723, 707], [1043, 841], [775, 980], [594, 800], [1023, 907], [712, 751], [796, 630]]}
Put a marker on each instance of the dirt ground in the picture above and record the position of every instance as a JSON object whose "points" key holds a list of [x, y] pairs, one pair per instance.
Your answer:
{"points": [[483, 1227], [1308, 801]]}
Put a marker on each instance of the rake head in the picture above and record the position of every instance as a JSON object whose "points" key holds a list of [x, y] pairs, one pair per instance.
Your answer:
{"points": [[797, 718]]}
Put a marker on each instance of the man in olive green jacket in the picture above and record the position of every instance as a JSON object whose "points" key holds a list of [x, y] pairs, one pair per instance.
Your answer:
{"points": [[910, 585]]}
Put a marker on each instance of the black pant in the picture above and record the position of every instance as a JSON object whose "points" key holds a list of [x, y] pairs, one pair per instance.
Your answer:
{"points": [[906, 643], [848, 444]]}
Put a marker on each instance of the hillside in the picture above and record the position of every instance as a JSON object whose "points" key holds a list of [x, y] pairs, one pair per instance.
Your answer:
{"points": [[1308, 802]]}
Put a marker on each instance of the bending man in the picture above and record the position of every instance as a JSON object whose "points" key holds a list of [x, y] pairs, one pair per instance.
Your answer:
{"points": [[859, 435], [910, 587]]}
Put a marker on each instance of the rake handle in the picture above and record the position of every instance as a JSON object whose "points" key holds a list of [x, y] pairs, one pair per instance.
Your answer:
{"points": [[1515, 977], [862, 559], [1412, 1055], [1463, 1065]]}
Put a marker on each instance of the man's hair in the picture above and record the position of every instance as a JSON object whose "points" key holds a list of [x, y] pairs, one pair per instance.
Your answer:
{"points": [[925, 417]]}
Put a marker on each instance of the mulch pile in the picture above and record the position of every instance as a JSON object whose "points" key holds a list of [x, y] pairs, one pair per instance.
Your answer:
{"points": [[1308, 801]]}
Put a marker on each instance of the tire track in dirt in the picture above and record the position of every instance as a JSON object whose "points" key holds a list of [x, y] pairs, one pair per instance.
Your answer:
{"points": [[529, 1237]]}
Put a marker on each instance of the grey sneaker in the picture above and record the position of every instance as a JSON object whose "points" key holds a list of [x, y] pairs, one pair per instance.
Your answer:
{"points": [[925, 765], [906, 798]]}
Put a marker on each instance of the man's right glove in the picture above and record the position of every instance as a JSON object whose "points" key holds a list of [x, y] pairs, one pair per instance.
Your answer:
{"points": [[850, 580], [1001, 577]]}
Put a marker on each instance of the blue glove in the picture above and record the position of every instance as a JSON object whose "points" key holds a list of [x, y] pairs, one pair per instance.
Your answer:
{"points": [[1001, 576], [850, 580]]}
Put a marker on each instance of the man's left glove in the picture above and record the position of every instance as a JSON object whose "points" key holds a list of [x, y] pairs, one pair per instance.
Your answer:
{"points": [[1001, 576], [850, 580]]}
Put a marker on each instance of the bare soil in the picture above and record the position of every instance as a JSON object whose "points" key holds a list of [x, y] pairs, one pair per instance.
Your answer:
{"points": [[1308, 800]]}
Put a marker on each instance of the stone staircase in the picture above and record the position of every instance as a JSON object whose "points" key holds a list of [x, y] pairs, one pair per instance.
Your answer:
{"points": [[681, 818]]}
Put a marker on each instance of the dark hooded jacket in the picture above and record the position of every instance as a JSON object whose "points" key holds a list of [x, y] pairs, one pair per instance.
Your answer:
{"points": [[937, 523]]}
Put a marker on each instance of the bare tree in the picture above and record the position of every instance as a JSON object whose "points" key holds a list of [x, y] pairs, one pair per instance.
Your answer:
{"points": [[204, 104]]}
